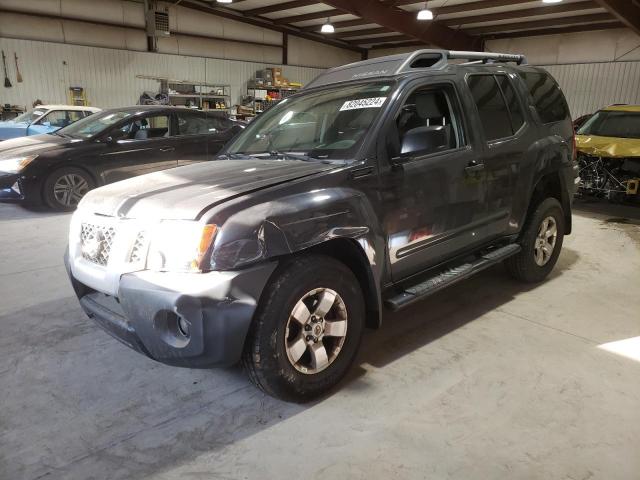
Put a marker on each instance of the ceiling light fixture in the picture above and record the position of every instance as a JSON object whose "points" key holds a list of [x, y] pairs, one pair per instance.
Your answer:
{"points": [[327, 27], [224, 1], [425, 13], [551, 1]]}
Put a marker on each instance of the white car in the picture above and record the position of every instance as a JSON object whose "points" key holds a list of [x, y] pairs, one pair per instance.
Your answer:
{"points": [[43, 119]]}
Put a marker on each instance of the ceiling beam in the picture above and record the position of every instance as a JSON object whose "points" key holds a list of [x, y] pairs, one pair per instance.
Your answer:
{"points": [[405, 23], [376, 40], [554, 31], [523, 13], [264, 22], [541, 24], [309, 16], [363, 32], [278, 7], [627, 11], [446, 10]]}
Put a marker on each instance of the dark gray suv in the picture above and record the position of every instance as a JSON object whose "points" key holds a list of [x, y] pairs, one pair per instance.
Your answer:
{"points": [[381, 183]]}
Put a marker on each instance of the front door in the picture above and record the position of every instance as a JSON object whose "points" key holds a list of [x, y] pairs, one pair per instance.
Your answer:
{"points": [[141, 145], [201, 135], [433, 191]]}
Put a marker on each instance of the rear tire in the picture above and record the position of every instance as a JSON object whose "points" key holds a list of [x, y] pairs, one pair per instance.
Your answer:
{"points": [[307, 329], [541, 243], [65, 187]]}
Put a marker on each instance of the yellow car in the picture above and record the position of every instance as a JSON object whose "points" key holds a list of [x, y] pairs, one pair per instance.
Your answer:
{"points": [[609, 153]]}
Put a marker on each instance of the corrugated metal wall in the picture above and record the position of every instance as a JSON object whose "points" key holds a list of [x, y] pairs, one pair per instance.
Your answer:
{"points": [[591, 86], [109, 76]]}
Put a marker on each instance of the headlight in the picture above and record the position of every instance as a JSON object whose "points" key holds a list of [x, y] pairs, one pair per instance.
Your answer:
{"points": [[16, 164], [180, 246]]}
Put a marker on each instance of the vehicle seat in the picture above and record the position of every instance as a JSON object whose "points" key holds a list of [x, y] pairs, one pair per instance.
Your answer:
{"points": [[142, 134], [429, 107]]}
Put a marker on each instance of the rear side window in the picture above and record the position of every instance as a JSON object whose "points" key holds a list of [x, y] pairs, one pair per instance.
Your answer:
{"points": [[511, 97], [492, 108], [547, 97]]}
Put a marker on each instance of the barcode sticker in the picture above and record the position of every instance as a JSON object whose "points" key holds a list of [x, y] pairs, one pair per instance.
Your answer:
{"points": [[375, 102]]}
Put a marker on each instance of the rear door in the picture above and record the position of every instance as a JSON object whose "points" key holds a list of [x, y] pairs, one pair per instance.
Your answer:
{"points": [[434, 200], [506, 135], [138, 146], [201, 135]]}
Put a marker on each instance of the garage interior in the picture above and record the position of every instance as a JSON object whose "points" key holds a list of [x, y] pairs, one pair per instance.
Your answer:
{"points": [[488, 379]]}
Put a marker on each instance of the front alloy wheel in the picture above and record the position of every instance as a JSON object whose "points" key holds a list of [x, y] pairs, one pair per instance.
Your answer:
{"points": [[306, 330], [316, 330]]}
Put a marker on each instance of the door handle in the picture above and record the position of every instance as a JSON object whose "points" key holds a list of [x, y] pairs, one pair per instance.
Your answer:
{"points": [[167, 149], [474, 167]]}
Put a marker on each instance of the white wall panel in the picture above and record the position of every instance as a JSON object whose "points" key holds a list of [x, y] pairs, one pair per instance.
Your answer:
{"points": [[109, 75], [591, 86], [314, 54]]}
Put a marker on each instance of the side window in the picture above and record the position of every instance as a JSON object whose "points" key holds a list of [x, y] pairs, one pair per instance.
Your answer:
{"points": [[510, 95], [547, 97], [492, 108], [155, 126], [61, 118], [190, 124], [426, 123]]}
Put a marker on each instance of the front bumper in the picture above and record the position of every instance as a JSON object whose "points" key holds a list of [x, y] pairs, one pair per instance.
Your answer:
{"points": [[217, 307], [10, 187]]}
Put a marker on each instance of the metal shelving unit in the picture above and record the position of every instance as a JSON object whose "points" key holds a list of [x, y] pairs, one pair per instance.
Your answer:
{"points": [[199, 95]]}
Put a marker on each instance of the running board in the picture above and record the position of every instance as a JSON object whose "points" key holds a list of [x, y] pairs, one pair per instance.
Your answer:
{"points": [[449, 277]]}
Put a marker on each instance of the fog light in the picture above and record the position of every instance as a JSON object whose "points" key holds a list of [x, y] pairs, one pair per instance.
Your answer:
{"points": [[16, 188], [183, 327]]}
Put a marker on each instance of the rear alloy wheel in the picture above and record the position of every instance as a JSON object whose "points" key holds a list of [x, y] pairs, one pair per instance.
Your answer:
{"points": [[64, 188], [307, 329], [541, 242]]}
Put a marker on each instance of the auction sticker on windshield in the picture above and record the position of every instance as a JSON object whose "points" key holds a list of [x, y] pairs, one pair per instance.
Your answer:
{"points": [[375, 102]]}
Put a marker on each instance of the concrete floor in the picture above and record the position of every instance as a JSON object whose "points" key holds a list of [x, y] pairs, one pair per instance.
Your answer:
{"points": [[487, 380]]}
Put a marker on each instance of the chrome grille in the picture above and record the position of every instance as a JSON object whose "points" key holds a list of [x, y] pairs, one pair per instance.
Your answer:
{"points": [[95, 242], [138, 249]]}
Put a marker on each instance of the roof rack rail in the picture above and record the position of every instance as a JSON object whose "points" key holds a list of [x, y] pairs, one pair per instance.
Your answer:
{"points": [[439, 58], [406, 62]]}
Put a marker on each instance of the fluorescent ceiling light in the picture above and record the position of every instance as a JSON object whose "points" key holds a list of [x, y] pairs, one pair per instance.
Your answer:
{"points": [[425, 13], [327, 27], [224, 1], [551, 1]]}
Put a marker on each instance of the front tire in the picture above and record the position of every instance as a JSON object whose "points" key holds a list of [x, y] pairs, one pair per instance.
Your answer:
{"points": [[65, 187], [307, 329], [541, 243]]}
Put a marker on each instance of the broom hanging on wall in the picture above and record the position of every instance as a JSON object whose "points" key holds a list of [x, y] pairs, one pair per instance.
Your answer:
{"points": [[18, 75], [7, 83]]}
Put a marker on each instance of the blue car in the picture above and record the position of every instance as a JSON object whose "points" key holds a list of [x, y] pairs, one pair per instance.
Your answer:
{"points": [[43, 119]]}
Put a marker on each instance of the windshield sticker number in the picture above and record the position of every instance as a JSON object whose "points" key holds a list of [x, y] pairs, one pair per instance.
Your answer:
{"points": [[375, 102]]}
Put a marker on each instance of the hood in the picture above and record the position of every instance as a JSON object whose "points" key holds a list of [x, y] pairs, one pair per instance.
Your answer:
{"points": [[608, 146], [183, 193], [32, 145]]}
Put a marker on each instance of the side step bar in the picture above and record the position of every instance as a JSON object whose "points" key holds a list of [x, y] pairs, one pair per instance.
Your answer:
{"points": [[449, 277]]}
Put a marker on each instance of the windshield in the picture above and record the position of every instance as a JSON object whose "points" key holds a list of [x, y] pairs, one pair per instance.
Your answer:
{"points": [[30, 116], [330, 124], [610, 123], [94, 124]]}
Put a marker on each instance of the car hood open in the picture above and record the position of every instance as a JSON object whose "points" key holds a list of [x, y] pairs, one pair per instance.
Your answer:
{"points": [[610, 147], [183, 193]]}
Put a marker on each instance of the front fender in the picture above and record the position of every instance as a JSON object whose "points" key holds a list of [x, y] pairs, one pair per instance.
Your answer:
{"points": [[302, 221]]}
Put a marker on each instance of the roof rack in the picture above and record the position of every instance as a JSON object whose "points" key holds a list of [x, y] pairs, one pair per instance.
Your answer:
{"points": [[407, 62]]}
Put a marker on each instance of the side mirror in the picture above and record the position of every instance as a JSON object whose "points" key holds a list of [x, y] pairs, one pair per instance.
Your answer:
{"points": [[422, 141], [108, 140]]}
